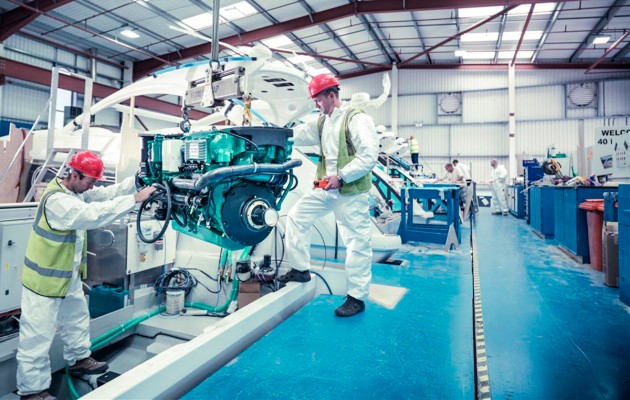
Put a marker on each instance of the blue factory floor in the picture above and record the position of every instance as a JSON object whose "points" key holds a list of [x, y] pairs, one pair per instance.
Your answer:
{"points": [[552, 330]]}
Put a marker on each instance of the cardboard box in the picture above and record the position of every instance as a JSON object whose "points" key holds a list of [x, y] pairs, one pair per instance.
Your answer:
{"points": [[248, 292]]}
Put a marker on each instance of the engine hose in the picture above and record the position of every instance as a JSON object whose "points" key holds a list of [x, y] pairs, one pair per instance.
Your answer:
{"points": [[286, 191], [162, 189], [239, 170]]}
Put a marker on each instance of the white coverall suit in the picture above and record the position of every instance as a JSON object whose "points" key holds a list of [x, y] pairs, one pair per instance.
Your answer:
{"points": [[497, 181], [38, 321], [351, 211]]}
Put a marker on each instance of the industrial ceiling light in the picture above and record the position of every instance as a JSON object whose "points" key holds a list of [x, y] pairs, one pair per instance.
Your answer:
{"points": [[130, 33], [460, 53], [601, 39]]}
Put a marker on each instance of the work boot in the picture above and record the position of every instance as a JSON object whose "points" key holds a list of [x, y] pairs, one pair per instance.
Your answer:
{"points": [[505, 213], [351, 307], [295, 276], [88, 366], [39, 396], [496, 212]]}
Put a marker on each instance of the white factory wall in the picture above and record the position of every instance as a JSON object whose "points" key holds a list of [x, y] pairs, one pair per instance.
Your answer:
{"points": [[543, 115], [23, 102]]}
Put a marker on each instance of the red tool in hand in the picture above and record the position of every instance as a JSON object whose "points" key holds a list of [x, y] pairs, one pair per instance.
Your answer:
{"points": [[320, 184]]}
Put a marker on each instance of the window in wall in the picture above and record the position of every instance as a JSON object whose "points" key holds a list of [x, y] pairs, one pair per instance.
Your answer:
{"points": [[64, 99]]}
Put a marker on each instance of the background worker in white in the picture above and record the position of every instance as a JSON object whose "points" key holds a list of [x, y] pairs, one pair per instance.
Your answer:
{"points": [[498, 179], [464, 169], [455, 175], [67, 205], [351, 208]]}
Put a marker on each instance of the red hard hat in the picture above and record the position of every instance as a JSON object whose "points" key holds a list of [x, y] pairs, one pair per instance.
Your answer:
{"points": [[321, 82], [89, 163]]}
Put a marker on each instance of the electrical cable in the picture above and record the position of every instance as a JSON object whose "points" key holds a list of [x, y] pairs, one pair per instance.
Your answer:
{"points": [[162, 190]]}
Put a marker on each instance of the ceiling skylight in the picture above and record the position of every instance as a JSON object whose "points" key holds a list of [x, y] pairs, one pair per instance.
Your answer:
{"points": [[199, 21], [540, 8], [478, 11], [277, 41], [237, 11], [601, 39], [478, 55], [480, 37]]}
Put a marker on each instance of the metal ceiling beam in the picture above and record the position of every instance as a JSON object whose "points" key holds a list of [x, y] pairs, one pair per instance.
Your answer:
{"points": [[40, 12], [346, 60], [66, 39], [621, 54], [29, 73], [104, 60], [326, 29], [520, 39], [486, 67], [422, 45], [548, 29], [610, 49], [459, 34], [497, 46], [296, 40], [143, 68], [377, 34], [13, 21], [124, 21], [601, 24]]}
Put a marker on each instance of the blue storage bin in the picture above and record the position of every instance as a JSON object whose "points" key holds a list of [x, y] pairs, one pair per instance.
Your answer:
{"points": [[104, 300]]}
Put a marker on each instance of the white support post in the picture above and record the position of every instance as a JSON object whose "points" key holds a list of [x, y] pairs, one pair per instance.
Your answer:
{"points": [[395, 99], [52, 111], [87, 104], [512, 121]]}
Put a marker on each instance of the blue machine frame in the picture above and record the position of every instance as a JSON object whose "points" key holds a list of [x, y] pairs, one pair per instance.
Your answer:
{"points": [[437, 198]]}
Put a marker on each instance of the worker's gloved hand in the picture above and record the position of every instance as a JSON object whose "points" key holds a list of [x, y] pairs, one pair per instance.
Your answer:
{"points": [[144, 194]]}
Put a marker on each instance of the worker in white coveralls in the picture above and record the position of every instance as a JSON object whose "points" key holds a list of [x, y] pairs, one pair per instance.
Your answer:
{"points": [[498, 179], [55, 262], [348, 151]]}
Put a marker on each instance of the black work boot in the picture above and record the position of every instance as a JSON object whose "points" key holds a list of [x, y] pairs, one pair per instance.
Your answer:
{"points": [[351, 307], [88, 366], [295, 276]]}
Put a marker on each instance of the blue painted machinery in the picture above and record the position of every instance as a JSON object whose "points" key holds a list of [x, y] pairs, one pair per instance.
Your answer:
{"points": [[624, 243], [443, 201]]}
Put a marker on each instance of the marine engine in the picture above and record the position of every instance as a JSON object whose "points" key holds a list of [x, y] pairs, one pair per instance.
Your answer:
{"points": [[223, 185]]}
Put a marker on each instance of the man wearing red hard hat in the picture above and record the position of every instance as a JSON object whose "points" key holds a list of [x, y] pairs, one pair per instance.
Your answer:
{"points": [[54, 264], [348, 146]]}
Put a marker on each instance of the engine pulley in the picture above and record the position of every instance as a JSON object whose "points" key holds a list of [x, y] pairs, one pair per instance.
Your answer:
{"points": [[249, 214]]}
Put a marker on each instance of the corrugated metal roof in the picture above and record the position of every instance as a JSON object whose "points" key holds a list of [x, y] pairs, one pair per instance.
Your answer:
{"points": [[396, 31]]}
